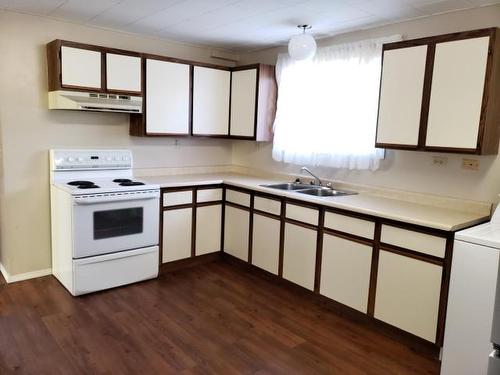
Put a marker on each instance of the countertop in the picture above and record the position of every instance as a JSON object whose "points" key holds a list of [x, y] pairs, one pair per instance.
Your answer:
{"points": [[365, 202]]}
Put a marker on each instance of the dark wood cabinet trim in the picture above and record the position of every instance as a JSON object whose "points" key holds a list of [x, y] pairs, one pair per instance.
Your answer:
{"points": [[348, 236], [426, 94], [236, 205], [266, 214], [445, 285], [412, 254], [250, 230], [301, 224], [319, 251], [372, 291]]}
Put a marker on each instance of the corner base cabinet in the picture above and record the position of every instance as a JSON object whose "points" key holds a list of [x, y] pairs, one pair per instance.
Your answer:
{"points": [[440, 94]]}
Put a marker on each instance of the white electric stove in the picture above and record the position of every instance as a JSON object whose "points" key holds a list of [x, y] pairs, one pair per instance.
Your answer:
{"points": [[105, 222]]}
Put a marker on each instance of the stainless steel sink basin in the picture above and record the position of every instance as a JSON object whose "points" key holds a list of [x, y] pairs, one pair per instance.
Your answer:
{"points": [[288, 186], [315, 190], [326, 192]]}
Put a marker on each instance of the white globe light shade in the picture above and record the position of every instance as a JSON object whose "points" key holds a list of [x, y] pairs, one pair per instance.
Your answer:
{"points": [[302, 47]]}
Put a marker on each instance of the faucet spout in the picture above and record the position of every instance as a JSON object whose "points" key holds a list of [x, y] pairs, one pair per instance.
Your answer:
{"points": [[317, 180]]}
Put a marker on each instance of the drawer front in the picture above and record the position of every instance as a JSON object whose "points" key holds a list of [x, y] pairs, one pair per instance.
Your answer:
{"points": [[302, 214], [421, 242], [267, 205], [209, 195], [347, 224], [238, 197], [175, 198]]}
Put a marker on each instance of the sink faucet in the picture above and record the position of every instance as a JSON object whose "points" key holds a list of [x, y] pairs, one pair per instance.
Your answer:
{"points": [[317, 180]]}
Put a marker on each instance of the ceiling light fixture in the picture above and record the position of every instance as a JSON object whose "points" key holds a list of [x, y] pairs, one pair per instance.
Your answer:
{"points": [[302, 46]]}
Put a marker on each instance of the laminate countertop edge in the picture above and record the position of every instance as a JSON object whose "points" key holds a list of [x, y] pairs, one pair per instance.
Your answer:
{"points": [[426, 215]]}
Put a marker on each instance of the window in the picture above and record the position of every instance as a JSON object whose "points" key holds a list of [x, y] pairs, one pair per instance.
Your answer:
{"points": [[327, 107]]}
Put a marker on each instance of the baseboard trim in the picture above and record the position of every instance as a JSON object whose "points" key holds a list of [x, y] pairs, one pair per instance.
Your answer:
{"points": [[23, 276]]}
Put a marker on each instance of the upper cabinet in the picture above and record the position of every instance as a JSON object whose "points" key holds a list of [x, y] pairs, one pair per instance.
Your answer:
{"points": [[167, 99], [211, 88], [123, 73], [82, 67], [439, 94], [253, 102], [243, 102], [181, 97], [401, 92]]}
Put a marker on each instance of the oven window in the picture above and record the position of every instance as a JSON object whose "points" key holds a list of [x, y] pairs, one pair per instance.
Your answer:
{"points": [[116, 223]]}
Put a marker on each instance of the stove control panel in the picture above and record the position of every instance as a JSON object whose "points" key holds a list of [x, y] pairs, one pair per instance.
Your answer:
{"points": [[90, 159]]}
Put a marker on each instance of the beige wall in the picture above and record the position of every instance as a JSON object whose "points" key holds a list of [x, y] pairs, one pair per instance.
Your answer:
{"points": [[405, 170], [28, 130]]}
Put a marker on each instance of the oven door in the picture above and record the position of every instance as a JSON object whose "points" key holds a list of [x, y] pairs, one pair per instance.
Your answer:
{"points": [[107, 223]]}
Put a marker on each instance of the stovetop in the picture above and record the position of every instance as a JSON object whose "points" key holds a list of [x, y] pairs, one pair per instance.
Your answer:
{"points": [[103, 185]]}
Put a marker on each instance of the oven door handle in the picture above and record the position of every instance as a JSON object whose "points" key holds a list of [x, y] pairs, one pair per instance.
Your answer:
{"points": [[116, 198]]}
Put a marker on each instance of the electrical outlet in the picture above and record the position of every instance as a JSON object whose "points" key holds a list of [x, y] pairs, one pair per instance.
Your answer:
{"points": [[439, 161], [470, 164]]}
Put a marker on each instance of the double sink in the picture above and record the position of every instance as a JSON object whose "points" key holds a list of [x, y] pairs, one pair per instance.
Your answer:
{"points": [[314, 190]]}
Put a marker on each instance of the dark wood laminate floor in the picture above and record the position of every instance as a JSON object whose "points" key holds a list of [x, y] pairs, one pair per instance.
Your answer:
{"points": [[211, 319]]}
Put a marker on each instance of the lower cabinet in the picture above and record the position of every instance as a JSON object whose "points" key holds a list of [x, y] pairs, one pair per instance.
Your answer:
{"points": [[299, 258], [236, 232], [266, 243], [177, 229], [408, 293], [345, 271], [208, 229]]}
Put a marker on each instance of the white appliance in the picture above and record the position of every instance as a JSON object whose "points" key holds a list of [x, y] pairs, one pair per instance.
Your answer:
{"points": [[471, 300], [85, 101], [105, 223]]}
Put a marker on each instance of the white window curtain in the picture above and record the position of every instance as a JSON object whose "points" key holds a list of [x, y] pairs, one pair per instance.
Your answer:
{"points": [[327, 106]]}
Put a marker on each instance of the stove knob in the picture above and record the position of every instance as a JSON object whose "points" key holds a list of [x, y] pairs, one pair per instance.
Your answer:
{"points": [[71, 159], [80, 159], [108, 158]]}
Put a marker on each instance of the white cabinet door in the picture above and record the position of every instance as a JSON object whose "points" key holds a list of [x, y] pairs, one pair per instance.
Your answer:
{"points": [[243, 102], [457, 93], [208, 229], [401, 95], [211, 101], [408, 292], [345, 271], [266, 243], [80, 68], [123, 73], [299, 259], [177, 227], [236, 228], [167, 97]]}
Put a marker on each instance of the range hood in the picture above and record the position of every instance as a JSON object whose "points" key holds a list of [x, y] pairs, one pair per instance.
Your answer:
{"points": [[85, 101]]}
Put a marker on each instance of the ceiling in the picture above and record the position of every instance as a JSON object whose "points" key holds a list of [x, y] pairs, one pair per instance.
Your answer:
{"points": [[237, 26]]}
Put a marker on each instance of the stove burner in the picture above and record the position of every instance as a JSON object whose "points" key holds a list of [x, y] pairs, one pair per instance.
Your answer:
{"points": [[80, 183], [120, 180], [131, 183], [92, 186]]}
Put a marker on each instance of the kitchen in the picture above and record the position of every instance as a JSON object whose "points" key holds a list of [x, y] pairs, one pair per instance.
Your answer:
{"points": [[416, 200]]}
